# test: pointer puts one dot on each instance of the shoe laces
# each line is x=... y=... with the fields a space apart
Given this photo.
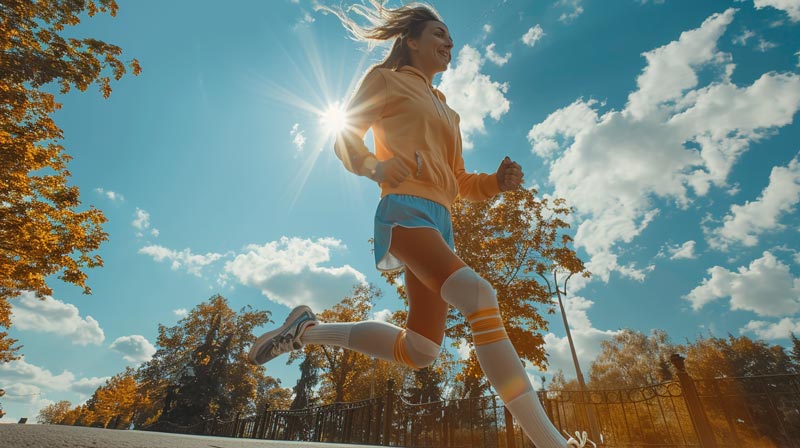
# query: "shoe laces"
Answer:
x=578 y=440
x=282 y=345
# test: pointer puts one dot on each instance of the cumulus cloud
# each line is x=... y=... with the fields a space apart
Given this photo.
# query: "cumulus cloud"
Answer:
x=298 y=137
x=383 y=315
x=134 y=348
x=791 y=7
x=745 y=223
x=587 y=339
x=495 y=57
x=293 y=271
x=114 y=196
x=141 y=222
x=54 y=316
x=574 y=9
x=473 y=94
x=191 y=262
x=21 y=372
x=671 y=138
x=463 y=349
x=87 y=386
x=180 y=312
x=773 y=330
x=683 y=251
x=765 y=287
x=533 y=35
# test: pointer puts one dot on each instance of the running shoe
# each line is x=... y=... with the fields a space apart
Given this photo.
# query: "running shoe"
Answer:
x=284 y=338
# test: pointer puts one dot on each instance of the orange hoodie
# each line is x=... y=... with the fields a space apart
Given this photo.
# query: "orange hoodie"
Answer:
x=411 y=121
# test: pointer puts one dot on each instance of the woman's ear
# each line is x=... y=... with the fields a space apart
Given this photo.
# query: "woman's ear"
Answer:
x=412 y=44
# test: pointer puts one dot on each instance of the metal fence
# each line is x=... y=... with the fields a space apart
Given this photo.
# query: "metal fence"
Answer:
x=724 y=412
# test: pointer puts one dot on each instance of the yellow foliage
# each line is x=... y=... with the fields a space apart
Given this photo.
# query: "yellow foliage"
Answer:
x=43 y=231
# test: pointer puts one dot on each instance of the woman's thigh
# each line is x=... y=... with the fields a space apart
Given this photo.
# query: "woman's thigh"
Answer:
x=429 y=262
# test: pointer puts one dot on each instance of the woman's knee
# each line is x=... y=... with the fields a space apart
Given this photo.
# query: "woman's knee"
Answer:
x=414 y=350
x=468 y=292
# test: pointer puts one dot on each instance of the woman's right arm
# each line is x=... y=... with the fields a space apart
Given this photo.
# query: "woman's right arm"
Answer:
x=364 y=109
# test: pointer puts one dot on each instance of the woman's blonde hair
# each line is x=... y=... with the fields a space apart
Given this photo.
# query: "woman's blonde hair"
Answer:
x=400 y=24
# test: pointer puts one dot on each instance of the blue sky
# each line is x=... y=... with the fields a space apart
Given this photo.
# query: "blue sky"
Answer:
x=671 y=127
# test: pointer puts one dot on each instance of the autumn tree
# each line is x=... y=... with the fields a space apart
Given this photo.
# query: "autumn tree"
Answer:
x=213 y=340
x=346 y=375
x=712 y=357
x=114 y=404
x=511 y=242
x=54 y=413
x=43 y=231
x=632 y=359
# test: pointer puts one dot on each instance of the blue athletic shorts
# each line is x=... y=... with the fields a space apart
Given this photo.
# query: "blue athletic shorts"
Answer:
x=406 y=211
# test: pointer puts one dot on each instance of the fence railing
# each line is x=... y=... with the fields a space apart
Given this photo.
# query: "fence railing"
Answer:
x=724 y=412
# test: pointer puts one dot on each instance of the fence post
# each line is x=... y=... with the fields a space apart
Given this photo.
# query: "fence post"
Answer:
x=510 y=442
x=699 y=420
x=387 y=412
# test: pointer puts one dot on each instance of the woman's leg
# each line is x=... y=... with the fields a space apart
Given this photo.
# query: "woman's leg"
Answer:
x=431 y=261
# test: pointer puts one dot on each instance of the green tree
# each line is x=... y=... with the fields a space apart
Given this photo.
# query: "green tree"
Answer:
x=795 y=353
x=42 y=230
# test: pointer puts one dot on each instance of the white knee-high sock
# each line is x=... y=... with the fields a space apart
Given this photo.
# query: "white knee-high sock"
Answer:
x=375 y=338
x=474 y=297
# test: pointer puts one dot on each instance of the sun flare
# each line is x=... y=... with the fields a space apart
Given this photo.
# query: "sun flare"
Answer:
x=333 y=119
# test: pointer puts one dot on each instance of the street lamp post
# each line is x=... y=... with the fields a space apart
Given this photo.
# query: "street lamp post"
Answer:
x=594 y=429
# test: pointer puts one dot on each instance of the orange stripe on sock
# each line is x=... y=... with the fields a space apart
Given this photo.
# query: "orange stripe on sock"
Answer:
x=400 y=352
x=484 y=313
x=487 y=324
x=488 y=338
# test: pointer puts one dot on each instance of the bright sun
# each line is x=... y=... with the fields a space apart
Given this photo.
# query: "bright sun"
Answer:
x=333 y=119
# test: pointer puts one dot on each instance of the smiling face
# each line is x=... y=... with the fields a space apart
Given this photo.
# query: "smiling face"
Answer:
x=430 y=52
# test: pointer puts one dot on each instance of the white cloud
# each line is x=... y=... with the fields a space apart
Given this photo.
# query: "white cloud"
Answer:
x=496 y=58
x=191 y=262
x=791 y=7
x=114 y=196
x=142 y=220
x=473 y=94
x=798 y=58
x=744 y=37
x=671 y=137
x=87 y=386
x=487 y=28
x=291 y=272
x=768 y=330
x=764 y=46
x=383 y=315
x=298 y=139
x=142 y=223
x=655 y=2
x=463 y=349
x=745 y=223
x=766 y=287
x=575 y=10
x=54 y=316
x=684 y=251
x=586 y=338
x=20 y=372
x=533 y=35
x=134 y=348
x=180 y=312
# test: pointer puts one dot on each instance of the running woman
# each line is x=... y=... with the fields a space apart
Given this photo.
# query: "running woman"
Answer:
x=420 y=170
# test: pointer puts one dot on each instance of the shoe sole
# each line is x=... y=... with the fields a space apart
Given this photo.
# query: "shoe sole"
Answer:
x=258 y=346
